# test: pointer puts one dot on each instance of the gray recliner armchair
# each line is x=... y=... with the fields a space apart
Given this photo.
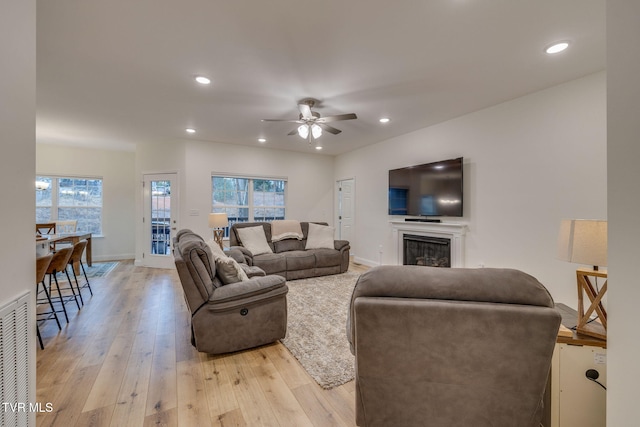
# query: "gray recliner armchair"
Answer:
x=450 y=347
x=231 y=317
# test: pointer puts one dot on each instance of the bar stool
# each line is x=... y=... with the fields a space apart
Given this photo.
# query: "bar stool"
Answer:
x=42 y=263
x=76 y=259
x=59 y=264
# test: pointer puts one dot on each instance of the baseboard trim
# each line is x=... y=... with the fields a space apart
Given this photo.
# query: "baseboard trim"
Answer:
x=364 y=261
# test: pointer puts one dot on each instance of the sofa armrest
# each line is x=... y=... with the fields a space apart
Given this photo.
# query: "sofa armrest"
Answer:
x=246 y=253
x=236 y=254
x=254 y=289
x=252 y=271
x=341 y=244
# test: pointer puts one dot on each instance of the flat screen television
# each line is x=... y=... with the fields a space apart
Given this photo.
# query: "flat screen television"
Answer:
x=431 y=189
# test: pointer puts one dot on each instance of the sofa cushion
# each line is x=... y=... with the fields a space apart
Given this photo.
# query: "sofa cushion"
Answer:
x=255 y=240
x=300 y=260
x=271 y=263
x=327 y=257
x=320 y=236
x=288 y=245
x=282 y=229
x=229 y=271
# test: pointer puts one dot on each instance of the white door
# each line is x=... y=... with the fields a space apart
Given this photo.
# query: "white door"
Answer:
x=160 y=219
x=346 y=200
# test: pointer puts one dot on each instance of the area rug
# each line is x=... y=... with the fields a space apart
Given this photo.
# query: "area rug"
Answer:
x=316 y=330
x=98 y=269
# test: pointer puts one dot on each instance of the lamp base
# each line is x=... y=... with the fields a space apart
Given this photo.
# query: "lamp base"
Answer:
x=218 y=234
x=585 y=325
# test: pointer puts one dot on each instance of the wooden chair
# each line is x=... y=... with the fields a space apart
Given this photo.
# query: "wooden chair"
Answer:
x=42 y=264
x=67 y=226
x=46 y=228
x=59 y=264
x=76 y=257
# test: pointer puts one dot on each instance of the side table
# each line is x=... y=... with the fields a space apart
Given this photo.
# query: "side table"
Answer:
x=572 y=399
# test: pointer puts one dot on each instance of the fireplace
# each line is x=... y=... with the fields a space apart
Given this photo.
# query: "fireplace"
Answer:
x=426 y=250
x=453 y=233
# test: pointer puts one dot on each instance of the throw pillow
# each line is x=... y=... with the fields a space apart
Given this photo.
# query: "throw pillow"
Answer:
x=229 y=271
x=320 y=237
x=282 y=229
x=215 y=249
x=254 y=239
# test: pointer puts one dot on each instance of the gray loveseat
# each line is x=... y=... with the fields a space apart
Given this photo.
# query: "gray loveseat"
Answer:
x=290 y=259
x=226 y=318
x=450 y=347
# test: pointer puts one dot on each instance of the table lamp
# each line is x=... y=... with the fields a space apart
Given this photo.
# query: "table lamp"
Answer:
x=218 y=222
x=585 y=242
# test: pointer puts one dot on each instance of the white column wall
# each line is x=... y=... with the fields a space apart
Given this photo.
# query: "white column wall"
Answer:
x=17 y=157
x=623 y=115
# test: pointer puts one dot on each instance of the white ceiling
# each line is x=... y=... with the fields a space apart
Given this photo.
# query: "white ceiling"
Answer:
x=113 y=73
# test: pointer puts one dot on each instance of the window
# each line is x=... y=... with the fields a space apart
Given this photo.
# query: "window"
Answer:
x=248 y=199
x=71 y=198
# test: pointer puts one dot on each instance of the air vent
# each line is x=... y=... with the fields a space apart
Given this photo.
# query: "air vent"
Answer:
x=16 y=345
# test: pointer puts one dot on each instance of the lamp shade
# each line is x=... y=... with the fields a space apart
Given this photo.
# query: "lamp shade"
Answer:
x=583 y=241
x=218 y=220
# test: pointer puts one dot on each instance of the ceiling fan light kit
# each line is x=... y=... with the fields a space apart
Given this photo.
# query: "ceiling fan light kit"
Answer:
x=311 y=123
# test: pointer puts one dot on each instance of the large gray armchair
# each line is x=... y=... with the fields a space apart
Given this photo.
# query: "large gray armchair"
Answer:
x=231 y=317
x=450 y=347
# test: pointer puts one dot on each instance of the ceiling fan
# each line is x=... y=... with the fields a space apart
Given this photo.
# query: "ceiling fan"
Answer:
x=311 y=123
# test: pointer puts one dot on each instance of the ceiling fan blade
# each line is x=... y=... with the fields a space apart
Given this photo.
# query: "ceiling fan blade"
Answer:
x=305 y=111
x=282 y=120
x=293 y=132
x=336 y=118
x=329 y=128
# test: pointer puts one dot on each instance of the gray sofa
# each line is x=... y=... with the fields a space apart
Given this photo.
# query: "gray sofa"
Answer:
x=289 y=258
x=232 y=317
x=450 y=347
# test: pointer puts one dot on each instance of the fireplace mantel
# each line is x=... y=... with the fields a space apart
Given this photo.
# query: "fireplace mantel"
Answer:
x=447 y=230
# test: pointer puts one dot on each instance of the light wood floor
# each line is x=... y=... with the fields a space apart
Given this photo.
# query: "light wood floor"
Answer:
x=125 y=359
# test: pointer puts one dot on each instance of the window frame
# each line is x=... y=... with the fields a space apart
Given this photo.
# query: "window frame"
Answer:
x=55 y=205
x=250 y=206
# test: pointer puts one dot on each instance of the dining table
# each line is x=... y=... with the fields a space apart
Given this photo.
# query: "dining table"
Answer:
x=44 y=243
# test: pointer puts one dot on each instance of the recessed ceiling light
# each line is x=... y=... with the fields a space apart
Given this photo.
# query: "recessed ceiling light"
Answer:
x=385 y=120
x=190 y=130
x=262 y=140
x=557 y=47
x=203 y=80
x=318 y=148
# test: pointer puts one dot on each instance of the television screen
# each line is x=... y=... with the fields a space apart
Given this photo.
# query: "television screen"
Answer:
x=432 y=189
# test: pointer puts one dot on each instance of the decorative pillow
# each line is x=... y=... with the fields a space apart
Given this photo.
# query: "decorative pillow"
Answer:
x=320 y=237
x=254 y=239
x=282 y=229
x=215 y=249
x=229 y=271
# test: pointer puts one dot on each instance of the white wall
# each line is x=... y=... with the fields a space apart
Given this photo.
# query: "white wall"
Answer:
x=17 y=154
x=623 y=92
x=117 y=169
x=309 y=188
x=528 y=163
